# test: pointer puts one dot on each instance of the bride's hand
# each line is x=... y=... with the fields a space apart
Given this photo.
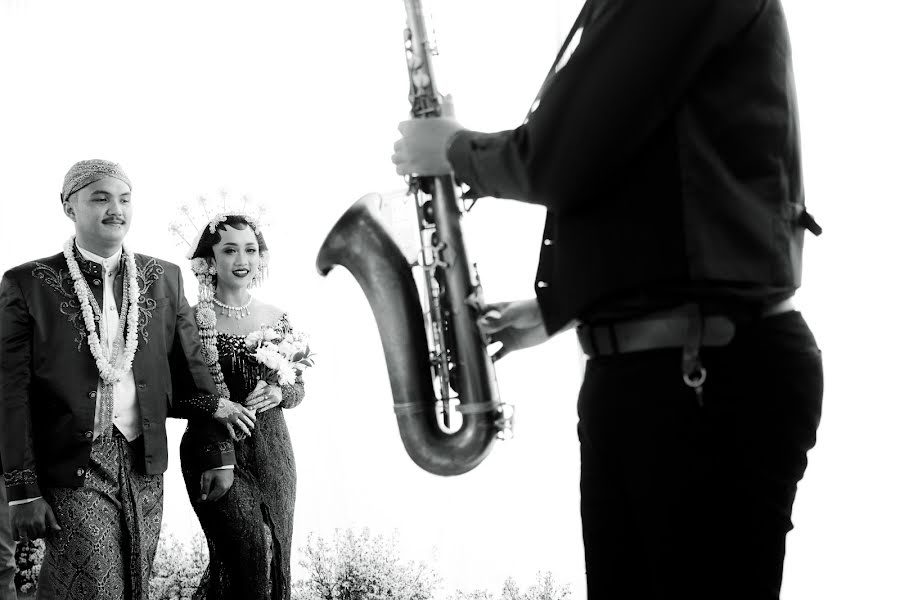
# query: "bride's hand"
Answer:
x=232 y=415
x=263 y=398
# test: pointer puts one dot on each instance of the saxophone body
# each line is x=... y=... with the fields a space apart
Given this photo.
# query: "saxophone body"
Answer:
x=442 y=377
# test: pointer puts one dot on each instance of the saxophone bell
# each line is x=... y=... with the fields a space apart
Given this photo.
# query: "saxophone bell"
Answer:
x=442 y=379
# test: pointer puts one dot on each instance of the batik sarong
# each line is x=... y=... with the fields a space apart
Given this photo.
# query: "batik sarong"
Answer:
x=110 y=528
x=7 y=550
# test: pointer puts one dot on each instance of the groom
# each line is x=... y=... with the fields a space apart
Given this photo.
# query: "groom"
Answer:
x=97 y=347
x=7 y=549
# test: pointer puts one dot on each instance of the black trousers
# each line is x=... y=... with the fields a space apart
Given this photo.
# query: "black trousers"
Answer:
x=680 y=500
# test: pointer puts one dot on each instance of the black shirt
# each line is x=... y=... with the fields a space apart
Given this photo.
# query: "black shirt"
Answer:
x=667 y=154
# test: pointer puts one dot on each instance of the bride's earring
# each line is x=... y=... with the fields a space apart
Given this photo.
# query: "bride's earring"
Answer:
x=261 y=273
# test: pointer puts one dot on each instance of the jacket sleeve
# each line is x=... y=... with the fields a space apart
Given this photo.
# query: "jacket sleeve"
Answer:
x=17 y=454
x=194 y=395
x=292 y=395
x=635 y=61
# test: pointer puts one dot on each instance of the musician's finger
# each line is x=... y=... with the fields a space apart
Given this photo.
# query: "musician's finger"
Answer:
x=495 y=308
x=503 y=351
x=447 y=108
x=491 y=322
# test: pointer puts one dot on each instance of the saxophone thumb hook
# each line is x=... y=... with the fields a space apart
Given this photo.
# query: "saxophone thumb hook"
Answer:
x=447 y=107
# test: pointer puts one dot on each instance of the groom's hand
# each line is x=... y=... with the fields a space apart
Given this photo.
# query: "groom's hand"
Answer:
x=214 y=483
x=32 y=520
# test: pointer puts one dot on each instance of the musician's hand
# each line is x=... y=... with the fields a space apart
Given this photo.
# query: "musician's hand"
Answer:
x=32 y=520
x=423 y=148
x=516 y=325
x=234 y=416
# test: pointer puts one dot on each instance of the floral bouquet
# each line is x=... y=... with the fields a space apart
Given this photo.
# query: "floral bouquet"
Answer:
x=281 y=357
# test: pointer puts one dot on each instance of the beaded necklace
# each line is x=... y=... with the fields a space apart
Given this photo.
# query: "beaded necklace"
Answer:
x=237 y=312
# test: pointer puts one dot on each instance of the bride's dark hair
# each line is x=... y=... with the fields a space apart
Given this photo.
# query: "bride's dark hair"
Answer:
x=208 y=240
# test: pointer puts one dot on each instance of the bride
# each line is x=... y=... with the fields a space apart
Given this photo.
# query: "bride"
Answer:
x=249 y=530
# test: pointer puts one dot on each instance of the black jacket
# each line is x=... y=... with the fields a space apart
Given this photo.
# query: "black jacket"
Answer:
x=667 y=154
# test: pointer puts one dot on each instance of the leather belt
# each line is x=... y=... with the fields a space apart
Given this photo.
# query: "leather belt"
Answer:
x=669 y=329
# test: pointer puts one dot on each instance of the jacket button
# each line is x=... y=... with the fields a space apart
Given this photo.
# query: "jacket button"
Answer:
x=543 y=284
x=79 y=472
x=92 y=394
x=88 y=435
x=96 y=282
x=142 y=386
x=548 y=242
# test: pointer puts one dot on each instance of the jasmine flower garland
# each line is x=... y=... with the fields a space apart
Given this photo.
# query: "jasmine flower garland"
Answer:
x=206 y=323
x=106 y=363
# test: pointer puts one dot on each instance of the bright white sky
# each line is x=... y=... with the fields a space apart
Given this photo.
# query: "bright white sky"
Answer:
x=297 y=105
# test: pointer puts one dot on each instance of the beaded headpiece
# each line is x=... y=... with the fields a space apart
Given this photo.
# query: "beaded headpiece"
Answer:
x=204 y=214
x=85 y=172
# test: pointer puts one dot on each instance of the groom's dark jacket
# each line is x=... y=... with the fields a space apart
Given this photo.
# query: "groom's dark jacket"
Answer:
x=49 y=378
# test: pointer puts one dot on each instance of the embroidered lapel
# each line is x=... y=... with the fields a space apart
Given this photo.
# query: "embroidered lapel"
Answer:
x=60 y=282
x=148 y=272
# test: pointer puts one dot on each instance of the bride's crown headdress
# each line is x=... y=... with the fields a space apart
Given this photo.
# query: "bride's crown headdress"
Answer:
x=193 y=218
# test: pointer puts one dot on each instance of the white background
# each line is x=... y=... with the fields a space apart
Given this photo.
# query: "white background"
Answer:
x=296 y=103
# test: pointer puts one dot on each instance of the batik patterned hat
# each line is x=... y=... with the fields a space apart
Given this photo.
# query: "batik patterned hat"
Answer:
x=85 y=172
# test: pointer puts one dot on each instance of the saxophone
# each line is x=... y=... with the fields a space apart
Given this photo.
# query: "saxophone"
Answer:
x=442 y=377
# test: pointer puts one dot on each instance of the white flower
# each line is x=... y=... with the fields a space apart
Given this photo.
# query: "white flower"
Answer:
x=252 y=340
x=206 y=317
x=286 y=348
x=301 y=341
x=286 y=374
x=270 y=334
x=212 y=355
x=199 y=265
x=267 y=354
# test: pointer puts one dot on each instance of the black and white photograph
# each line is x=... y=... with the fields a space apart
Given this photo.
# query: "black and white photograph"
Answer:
x=449 y=300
